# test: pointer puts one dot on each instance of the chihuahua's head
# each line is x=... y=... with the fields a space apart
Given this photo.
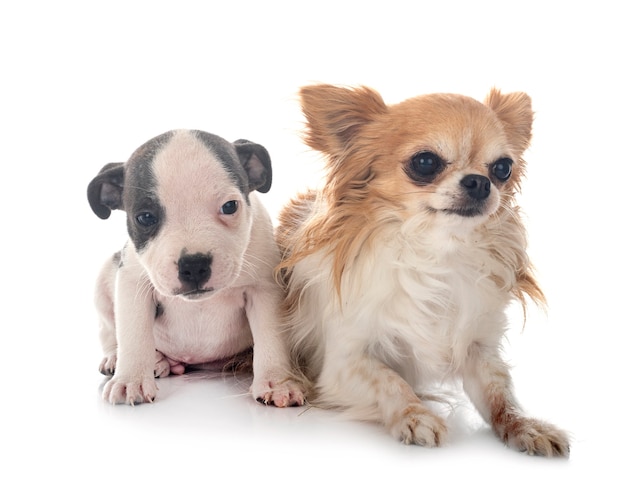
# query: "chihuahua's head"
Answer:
x=443 y=158
x=439 y=169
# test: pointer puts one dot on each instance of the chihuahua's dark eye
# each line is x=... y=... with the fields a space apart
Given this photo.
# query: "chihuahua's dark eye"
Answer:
x=502 y=169
x=424 y=165
x=146 y=219
x=230 y=207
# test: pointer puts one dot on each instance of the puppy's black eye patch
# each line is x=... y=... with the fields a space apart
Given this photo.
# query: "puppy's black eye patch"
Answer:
x=146 y=219
x=424 y=166
x=502 y=169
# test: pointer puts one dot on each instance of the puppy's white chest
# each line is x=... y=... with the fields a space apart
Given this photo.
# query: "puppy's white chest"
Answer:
x=205 y=331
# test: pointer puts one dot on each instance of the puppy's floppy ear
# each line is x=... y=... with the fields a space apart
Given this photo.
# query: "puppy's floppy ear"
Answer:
x=335 y=114
x=257 y=164
x=105 y=190
x=515 y=112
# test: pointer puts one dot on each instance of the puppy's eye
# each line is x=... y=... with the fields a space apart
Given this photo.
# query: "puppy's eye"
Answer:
x=146 y=219
x=230 y=207
x=426 y=164
x=502 y=169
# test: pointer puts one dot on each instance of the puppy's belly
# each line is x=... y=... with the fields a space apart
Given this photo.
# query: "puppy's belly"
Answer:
x=201 y=332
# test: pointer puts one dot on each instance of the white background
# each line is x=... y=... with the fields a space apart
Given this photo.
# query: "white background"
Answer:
x=83 y=84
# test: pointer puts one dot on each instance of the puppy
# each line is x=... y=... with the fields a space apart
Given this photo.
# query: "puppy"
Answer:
x=399 y=270
x=194 y=284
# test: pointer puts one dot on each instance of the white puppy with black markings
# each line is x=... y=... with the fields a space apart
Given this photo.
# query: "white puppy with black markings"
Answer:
x=193 y=286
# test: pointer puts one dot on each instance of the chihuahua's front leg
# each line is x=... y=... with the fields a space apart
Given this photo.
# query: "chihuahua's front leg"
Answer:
x=369 y=389
x=133 y=381
x=487 y=382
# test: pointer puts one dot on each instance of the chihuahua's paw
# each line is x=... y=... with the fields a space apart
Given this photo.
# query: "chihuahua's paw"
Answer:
x=418 y=425
x=107 y=365
x=130 y=390
x=535 y=437
x=280 y=392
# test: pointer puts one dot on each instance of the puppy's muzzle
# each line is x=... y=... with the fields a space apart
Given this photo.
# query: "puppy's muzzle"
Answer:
x=477 y=187
x=194 y=271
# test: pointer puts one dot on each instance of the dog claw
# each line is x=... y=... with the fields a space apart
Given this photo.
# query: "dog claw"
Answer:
x=279 y=393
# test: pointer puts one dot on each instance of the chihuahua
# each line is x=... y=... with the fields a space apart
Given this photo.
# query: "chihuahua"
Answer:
x=399 y=270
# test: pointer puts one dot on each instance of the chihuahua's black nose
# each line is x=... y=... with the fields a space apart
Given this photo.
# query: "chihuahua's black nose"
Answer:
x=477 y=186
x=194 y=269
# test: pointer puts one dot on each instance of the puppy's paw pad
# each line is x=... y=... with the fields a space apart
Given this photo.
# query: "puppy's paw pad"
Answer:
x=417 y=425
x=131 y=392
x=280 y=393
x=536 y=438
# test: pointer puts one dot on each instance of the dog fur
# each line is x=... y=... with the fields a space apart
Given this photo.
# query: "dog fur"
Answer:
x=194 y=285
x=398 y=271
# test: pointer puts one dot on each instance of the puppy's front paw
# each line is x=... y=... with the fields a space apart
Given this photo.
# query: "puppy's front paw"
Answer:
x=130 y=390
x=280 y=392
x=535 y=437
x=418 y=425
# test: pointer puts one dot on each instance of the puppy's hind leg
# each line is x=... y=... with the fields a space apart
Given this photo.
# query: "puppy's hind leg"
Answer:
x=105 y=288
x=487 y=382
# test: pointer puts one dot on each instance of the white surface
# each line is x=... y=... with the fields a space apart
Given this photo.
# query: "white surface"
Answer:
x=83 y=85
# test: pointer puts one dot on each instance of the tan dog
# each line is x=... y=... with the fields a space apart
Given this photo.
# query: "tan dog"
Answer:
x=400 y=269
x=194 y=285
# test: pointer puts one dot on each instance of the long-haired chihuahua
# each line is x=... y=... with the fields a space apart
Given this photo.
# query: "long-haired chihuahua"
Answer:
x=399 y=269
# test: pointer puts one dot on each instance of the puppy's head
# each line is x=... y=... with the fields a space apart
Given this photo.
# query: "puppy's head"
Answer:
x=186 y=195
x=448 y=159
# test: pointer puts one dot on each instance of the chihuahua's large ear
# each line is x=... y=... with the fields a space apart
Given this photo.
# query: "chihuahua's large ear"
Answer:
x=257 y=164
x=515 y=112
x=336 y=114
x=105 y=190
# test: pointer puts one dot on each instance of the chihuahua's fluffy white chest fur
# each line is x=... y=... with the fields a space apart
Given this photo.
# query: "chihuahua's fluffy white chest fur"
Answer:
x=414 y=298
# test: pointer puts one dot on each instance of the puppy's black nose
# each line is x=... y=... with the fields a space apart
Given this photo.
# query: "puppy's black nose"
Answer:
x=194 y=269
x=477 y=186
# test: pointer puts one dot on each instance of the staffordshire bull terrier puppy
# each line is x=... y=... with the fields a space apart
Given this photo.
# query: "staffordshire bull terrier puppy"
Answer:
x=193 y=286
